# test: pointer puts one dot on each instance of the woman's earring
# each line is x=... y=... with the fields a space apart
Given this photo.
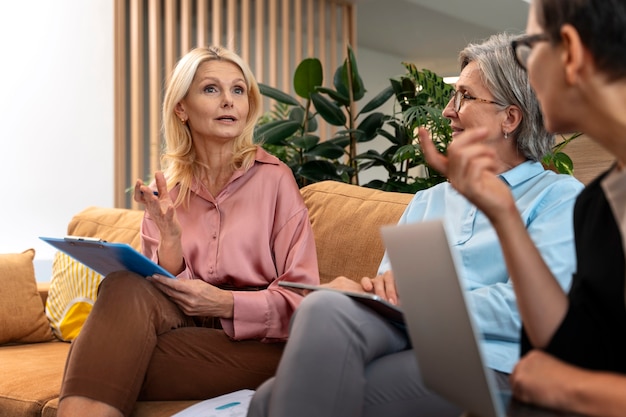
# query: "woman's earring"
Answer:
x=506 y=135
x=183 y=121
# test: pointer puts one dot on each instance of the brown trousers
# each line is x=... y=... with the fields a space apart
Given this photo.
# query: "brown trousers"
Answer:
x=137 y=344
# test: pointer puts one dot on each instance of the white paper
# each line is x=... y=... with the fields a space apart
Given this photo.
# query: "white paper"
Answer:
x=234 y=404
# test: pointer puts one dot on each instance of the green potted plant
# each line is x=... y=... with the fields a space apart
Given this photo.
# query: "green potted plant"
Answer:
x=420 y=97
x=289 y=131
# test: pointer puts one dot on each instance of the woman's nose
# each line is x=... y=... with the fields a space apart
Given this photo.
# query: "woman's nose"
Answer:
x=448 y=111
x=227 y=100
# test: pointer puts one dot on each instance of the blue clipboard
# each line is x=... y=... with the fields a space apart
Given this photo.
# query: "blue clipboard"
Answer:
x=106 y=257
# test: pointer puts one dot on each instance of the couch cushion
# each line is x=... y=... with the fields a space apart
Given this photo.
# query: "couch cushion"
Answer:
x=142 y=408
x=346 y=220
x=73 y=290
x=31 y=376
x=22 y=319
x=110 y=224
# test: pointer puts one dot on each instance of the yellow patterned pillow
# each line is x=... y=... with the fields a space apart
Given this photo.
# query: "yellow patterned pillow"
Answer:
x=73 y=290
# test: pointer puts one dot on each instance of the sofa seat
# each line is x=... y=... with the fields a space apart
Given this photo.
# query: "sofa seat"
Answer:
x=31 y=377
x=142 y=409
x=345 y=220
x=31 y=382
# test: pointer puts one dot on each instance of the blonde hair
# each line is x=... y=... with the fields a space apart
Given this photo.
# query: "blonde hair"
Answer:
x=179 y=156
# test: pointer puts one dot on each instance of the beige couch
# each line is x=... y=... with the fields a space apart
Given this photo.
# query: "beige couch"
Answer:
x=345 y=219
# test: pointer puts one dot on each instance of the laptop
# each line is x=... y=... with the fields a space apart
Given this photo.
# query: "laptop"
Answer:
x=444 y=337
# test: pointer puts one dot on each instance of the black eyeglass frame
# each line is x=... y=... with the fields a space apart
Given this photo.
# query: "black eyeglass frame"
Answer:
x=457 y=98
x=522 y=47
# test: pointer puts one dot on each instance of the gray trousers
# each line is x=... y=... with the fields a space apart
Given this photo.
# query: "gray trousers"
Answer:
x=344 y=360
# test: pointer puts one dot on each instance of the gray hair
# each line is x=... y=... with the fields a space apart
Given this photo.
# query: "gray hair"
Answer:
x=508 y=83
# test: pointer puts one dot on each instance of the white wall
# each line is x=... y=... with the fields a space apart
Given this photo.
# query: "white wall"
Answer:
x=56 y=113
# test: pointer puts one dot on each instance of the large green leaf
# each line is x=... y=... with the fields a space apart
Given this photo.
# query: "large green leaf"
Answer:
x=396 y=84
x=405 y=153
x=309 y=75
x=319 y=171
x=297 y=115
x=305 y=142
x=329 y=111
x=277 y=95
x=369 y=126
x=358 y=88
x=275 y=133
x=340 y=81
x=392 y=138
x=376 y=159
x=312 y=125
x=380 y=99
x=335 y=95
x=342 y=140
x=326 y=150
x=562 y=163
x=401 y=135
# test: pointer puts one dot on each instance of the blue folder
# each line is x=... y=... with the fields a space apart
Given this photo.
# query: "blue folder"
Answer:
x=106 y=257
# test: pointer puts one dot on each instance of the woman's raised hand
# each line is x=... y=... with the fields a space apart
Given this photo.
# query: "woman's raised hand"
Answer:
x=471 y=167
x=159 y=205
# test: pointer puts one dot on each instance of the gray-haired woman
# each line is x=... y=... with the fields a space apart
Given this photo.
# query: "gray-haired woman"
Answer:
x=342 y=359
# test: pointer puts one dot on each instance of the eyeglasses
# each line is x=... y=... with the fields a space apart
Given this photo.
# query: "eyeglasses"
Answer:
x=523 y=46
x=457 y=98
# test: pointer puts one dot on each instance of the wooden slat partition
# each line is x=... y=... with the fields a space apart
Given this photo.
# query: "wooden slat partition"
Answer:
x=155 y=76
x=120 y=175
x=202 y=20
x=273 y=36
x=138 y=109
x=246 y=21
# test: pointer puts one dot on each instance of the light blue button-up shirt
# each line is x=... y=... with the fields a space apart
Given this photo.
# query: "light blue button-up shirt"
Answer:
x=545 y=201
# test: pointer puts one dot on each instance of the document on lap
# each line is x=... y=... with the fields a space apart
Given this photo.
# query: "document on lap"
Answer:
x=373 y=301
x=234 y=404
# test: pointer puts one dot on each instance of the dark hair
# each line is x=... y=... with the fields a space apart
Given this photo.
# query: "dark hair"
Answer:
x=600 y=23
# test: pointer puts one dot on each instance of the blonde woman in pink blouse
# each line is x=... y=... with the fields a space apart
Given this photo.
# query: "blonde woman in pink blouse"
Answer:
x=227 y=219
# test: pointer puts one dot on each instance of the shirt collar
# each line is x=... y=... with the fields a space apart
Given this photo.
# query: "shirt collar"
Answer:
x=522 y=172
x=264 y=157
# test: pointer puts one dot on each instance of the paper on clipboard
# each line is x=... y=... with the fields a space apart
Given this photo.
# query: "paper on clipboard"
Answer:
x=106 y=257
x=234 y=404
